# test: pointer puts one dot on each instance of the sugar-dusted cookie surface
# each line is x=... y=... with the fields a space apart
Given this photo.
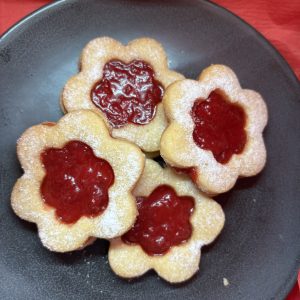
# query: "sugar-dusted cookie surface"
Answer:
x=241 y=119
x=100 y=68
x=86 y=132
x=180 y=262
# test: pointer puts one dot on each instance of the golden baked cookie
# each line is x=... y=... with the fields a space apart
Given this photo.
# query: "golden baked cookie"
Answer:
x=175 y=220
x=215 y=129
x=125 y=84
x=77 y=181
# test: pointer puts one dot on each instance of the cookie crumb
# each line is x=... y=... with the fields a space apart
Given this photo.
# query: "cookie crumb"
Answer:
x=225 y=281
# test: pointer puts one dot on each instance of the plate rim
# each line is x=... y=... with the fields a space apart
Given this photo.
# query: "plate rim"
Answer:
x=22 y=21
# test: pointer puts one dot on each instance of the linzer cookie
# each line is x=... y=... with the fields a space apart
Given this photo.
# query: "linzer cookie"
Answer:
x=77 y=181
x=125 y=84
x=215 y=129
x=175 y=220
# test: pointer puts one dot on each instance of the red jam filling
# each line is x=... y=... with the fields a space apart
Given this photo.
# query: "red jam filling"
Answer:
x=219 y=126
x=49 y=124
x=76 y=182
x=191 y=172
x=163 y=221
x=127 y=93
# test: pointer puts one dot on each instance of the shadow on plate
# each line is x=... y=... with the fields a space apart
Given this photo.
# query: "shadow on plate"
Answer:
x=242 y=184
x=98 y=248
x=151 y=275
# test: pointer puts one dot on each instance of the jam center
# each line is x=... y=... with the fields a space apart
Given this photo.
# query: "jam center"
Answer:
x=76 y=182
x=127 y=93
x=163 y=221
x=219 y=126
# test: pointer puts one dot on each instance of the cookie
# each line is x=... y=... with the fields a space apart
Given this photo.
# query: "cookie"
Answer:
x=215 y=129
x=175 y=220
x=77 y=181
x=125 y=84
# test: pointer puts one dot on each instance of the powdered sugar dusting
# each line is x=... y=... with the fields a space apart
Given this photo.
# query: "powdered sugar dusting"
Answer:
x=111 y=223
x=146 y=136
x=225 y=281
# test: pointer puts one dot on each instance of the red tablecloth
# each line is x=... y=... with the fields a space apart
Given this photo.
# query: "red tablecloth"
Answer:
x=277 y=20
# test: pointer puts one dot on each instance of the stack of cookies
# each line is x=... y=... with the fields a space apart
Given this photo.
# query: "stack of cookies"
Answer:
x=91 y=175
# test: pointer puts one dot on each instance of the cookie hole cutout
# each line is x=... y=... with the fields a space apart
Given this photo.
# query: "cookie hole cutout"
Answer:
x=127 y=93
x=163 y=221
x=219 y=126
x=76 y=182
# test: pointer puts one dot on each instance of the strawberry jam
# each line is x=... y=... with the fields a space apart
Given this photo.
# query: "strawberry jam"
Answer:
x=76 y=182
x=163 y=221
x=219 y=126
x=191 y=172
x=127 y=93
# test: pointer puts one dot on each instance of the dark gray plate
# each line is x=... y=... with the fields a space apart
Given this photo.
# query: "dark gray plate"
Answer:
x=258 y=251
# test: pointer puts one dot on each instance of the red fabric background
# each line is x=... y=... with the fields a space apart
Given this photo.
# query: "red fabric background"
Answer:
x=277 y=20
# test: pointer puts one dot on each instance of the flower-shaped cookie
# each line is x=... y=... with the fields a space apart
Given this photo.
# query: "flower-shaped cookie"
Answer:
x=77 y=181
x=215 y=129
x=175 y=220
x=124 y=84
